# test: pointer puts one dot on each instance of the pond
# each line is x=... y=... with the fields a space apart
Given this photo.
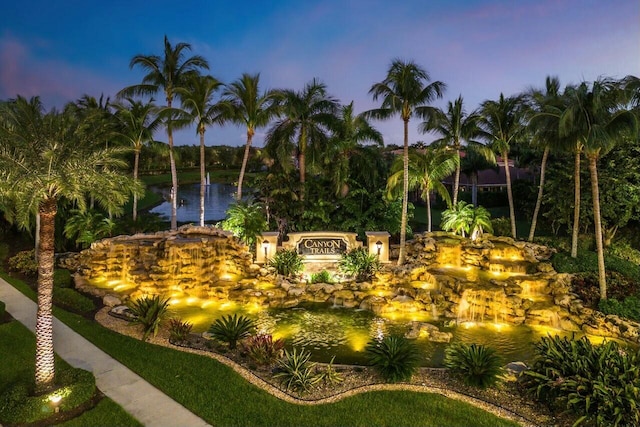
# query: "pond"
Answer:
x=217 y=198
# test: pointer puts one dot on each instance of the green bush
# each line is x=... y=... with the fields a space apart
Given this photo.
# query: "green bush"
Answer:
x=231 y=329
x=178 y=330
x=628 y=307
x=395 y=357
x=359 y=263
x=62 y=278
x=501 y=226
x=287 y=262
x=476 y=365
x=296 y=372
x=73 y=300
x=330 y=375
x=262 y=349
x=149 y=312
x=20 y=406
x=24 y=262
x=322 y=277
x=600 y=384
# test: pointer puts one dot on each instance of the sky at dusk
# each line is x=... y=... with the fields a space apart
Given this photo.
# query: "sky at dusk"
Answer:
x=63 y=50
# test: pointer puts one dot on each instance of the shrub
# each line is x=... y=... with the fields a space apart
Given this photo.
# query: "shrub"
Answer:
x=296 y=372
x=149 y=312
x=322 y=277
x=231 y=329
x=359 y=263
x=287 y=262
x=62 y=278
x=73 y=300
x=501 y=226
x=476 y=365
x=628 y=307
x=24 y=262
x=600 y=384
x=20 y=406
x=330 y=375
x=395 y=357
x=623 y=250
x=178 y=330
x=262 y=349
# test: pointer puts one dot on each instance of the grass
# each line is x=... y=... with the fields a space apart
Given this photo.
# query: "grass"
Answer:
x=17 y=347
x=225 y=399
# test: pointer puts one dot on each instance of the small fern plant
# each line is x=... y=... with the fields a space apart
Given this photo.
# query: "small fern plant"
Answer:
x=287 y=262
x=150 y=312
x=231 y=329
x=476 y=365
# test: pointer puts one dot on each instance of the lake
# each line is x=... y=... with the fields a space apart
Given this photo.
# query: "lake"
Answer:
x=217 y=198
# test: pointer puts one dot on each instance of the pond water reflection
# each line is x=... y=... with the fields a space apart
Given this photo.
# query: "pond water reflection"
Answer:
x=217 y=198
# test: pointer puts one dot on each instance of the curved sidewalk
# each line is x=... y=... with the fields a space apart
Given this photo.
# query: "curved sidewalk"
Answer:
x=139 y=398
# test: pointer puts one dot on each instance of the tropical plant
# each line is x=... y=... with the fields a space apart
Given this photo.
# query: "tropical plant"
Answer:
x=244 y=105
x=287 y=262
x=464 y=219
x=395 y=357
x=599 y=383
x=360 y=263
x=87 y=227
x=179 y=330
x=404 y=92
x=232 y=328
x=200 y=109
x=165 y=74
x=46 y=158
x=321 y=277
x=296 y=372
x=477 y=157
x=455 y=127
x=150 y=312
x=477 y=365
x=246 y=221
x=263 y=349
x=307 y=116
x=427 y=169
x=502 y=123
x=330 y=375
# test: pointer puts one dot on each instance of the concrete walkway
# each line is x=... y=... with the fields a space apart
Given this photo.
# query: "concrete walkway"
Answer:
x=139 y=398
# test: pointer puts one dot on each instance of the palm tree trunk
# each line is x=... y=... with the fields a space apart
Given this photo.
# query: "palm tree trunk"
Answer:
x=202 y=177
x=507 y=173
x=534 y=220
x=302 y=150
x=405 y=194
x=45 y=368
x=576 y=204
x=428 y=201
x=474 y=189
x=456 y=181
x=174 y=176
x=245 y=159
x=595 y=194
x=136 y=163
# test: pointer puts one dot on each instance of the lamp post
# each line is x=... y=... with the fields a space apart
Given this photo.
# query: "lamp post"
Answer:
x=265 y=247
x=379 y=247
x=55 y=402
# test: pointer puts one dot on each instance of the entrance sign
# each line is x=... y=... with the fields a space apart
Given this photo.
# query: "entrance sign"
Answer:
x=322 y=246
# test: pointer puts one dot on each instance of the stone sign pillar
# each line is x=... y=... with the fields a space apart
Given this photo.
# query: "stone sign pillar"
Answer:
x=378 y=244
x=266 y=246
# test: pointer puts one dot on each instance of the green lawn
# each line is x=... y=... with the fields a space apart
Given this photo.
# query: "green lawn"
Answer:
x=223 y=398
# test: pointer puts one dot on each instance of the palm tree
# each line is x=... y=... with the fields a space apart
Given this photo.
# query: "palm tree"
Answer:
x=245 y=105
x=46 y=158
x=458 y=218
x=546 y=108
x=455 y=128
x=167 y=73
x=405 y=92
x=596 y=120
x=246 y=220
x=502 y=124
x=198 y=104
x=137 y=123
x=350 y=131
x=427 y=169
x=307 y=118
x=477 y=157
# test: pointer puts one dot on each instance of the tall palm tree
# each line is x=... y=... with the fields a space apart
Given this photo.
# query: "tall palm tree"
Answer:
x=307 y=118
x=502 y=123
x=455 y=127
x=137 y=123
x=545 y=109
x=427 y=169
x=246 y=105
x=165 y=74
x=200 y=108
x=349 y=132
x=477 y=157
x=46 y=158
x=404 y=92
x=595 y=118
